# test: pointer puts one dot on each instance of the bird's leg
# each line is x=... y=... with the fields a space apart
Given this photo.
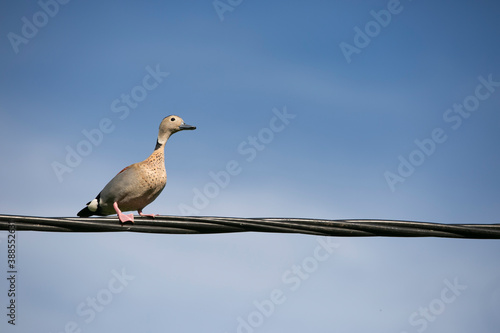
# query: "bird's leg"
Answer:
x=146 y=215
x=123 y=217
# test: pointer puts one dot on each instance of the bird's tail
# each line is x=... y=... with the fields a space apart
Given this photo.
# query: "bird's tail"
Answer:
x=86 y=212
x=92 y=208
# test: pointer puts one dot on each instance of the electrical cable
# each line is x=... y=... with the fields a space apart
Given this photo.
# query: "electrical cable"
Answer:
x=211 y=224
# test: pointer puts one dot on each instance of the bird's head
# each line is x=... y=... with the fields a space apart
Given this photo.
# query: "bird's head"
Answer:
x=170 y=125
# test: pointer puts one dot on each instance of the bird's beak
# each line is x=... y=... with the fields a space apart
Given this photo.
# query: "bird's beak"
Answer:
x=186 y=127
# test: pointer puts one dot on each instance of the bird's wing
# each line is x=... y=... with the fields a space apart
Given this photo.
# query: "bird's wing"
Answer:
x=121 y=185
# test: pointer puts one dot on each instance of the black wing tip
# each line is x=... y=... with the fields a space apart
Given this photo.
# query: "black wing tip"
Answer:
x=85 y=212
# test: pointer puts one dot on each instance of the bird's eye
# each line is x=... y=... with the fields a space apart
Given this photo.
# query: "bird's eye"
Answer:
x=172 y=119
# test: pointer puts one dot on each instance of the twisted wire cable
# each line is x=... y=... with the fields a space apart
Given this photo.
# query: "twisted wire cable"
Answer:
x=212 y=224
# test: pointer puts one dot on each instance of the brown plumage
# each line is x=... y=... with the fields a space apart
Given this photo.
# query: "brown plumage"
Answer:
x=139 y=184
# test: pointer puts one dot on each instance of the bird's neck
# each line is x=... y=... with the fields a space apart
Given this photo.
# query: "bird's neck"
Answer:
x=159 y=145
x=162 y=140
x=157 y=157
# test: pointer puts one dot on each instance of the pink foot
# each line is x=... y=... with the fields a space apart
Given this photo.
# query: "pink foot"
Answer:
x=126 y=217
x=123 y=217
x=146 y=215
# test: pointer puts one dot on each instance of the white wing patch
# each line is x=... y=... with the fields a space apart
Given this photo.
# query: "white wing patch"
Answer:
x=93 y=205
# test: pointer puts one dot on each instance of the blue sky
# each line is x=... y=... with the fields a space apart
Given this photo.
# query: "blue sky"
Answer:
x=405 y=127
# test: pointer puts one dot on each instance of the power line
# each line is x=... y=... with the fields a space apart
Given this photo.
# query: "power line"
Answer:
x=211 y=224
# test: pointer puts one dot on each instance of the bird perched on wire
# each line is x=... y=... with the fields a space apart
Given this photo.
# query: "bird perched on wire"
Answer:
x=139 y=184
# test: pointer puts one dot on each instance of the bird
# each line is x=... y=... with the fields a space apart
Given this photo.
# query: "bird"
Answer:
x=139 y=184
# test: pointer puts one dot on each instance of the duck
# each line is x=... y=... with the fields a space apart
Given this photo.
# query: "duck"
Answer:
x=139 y=184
